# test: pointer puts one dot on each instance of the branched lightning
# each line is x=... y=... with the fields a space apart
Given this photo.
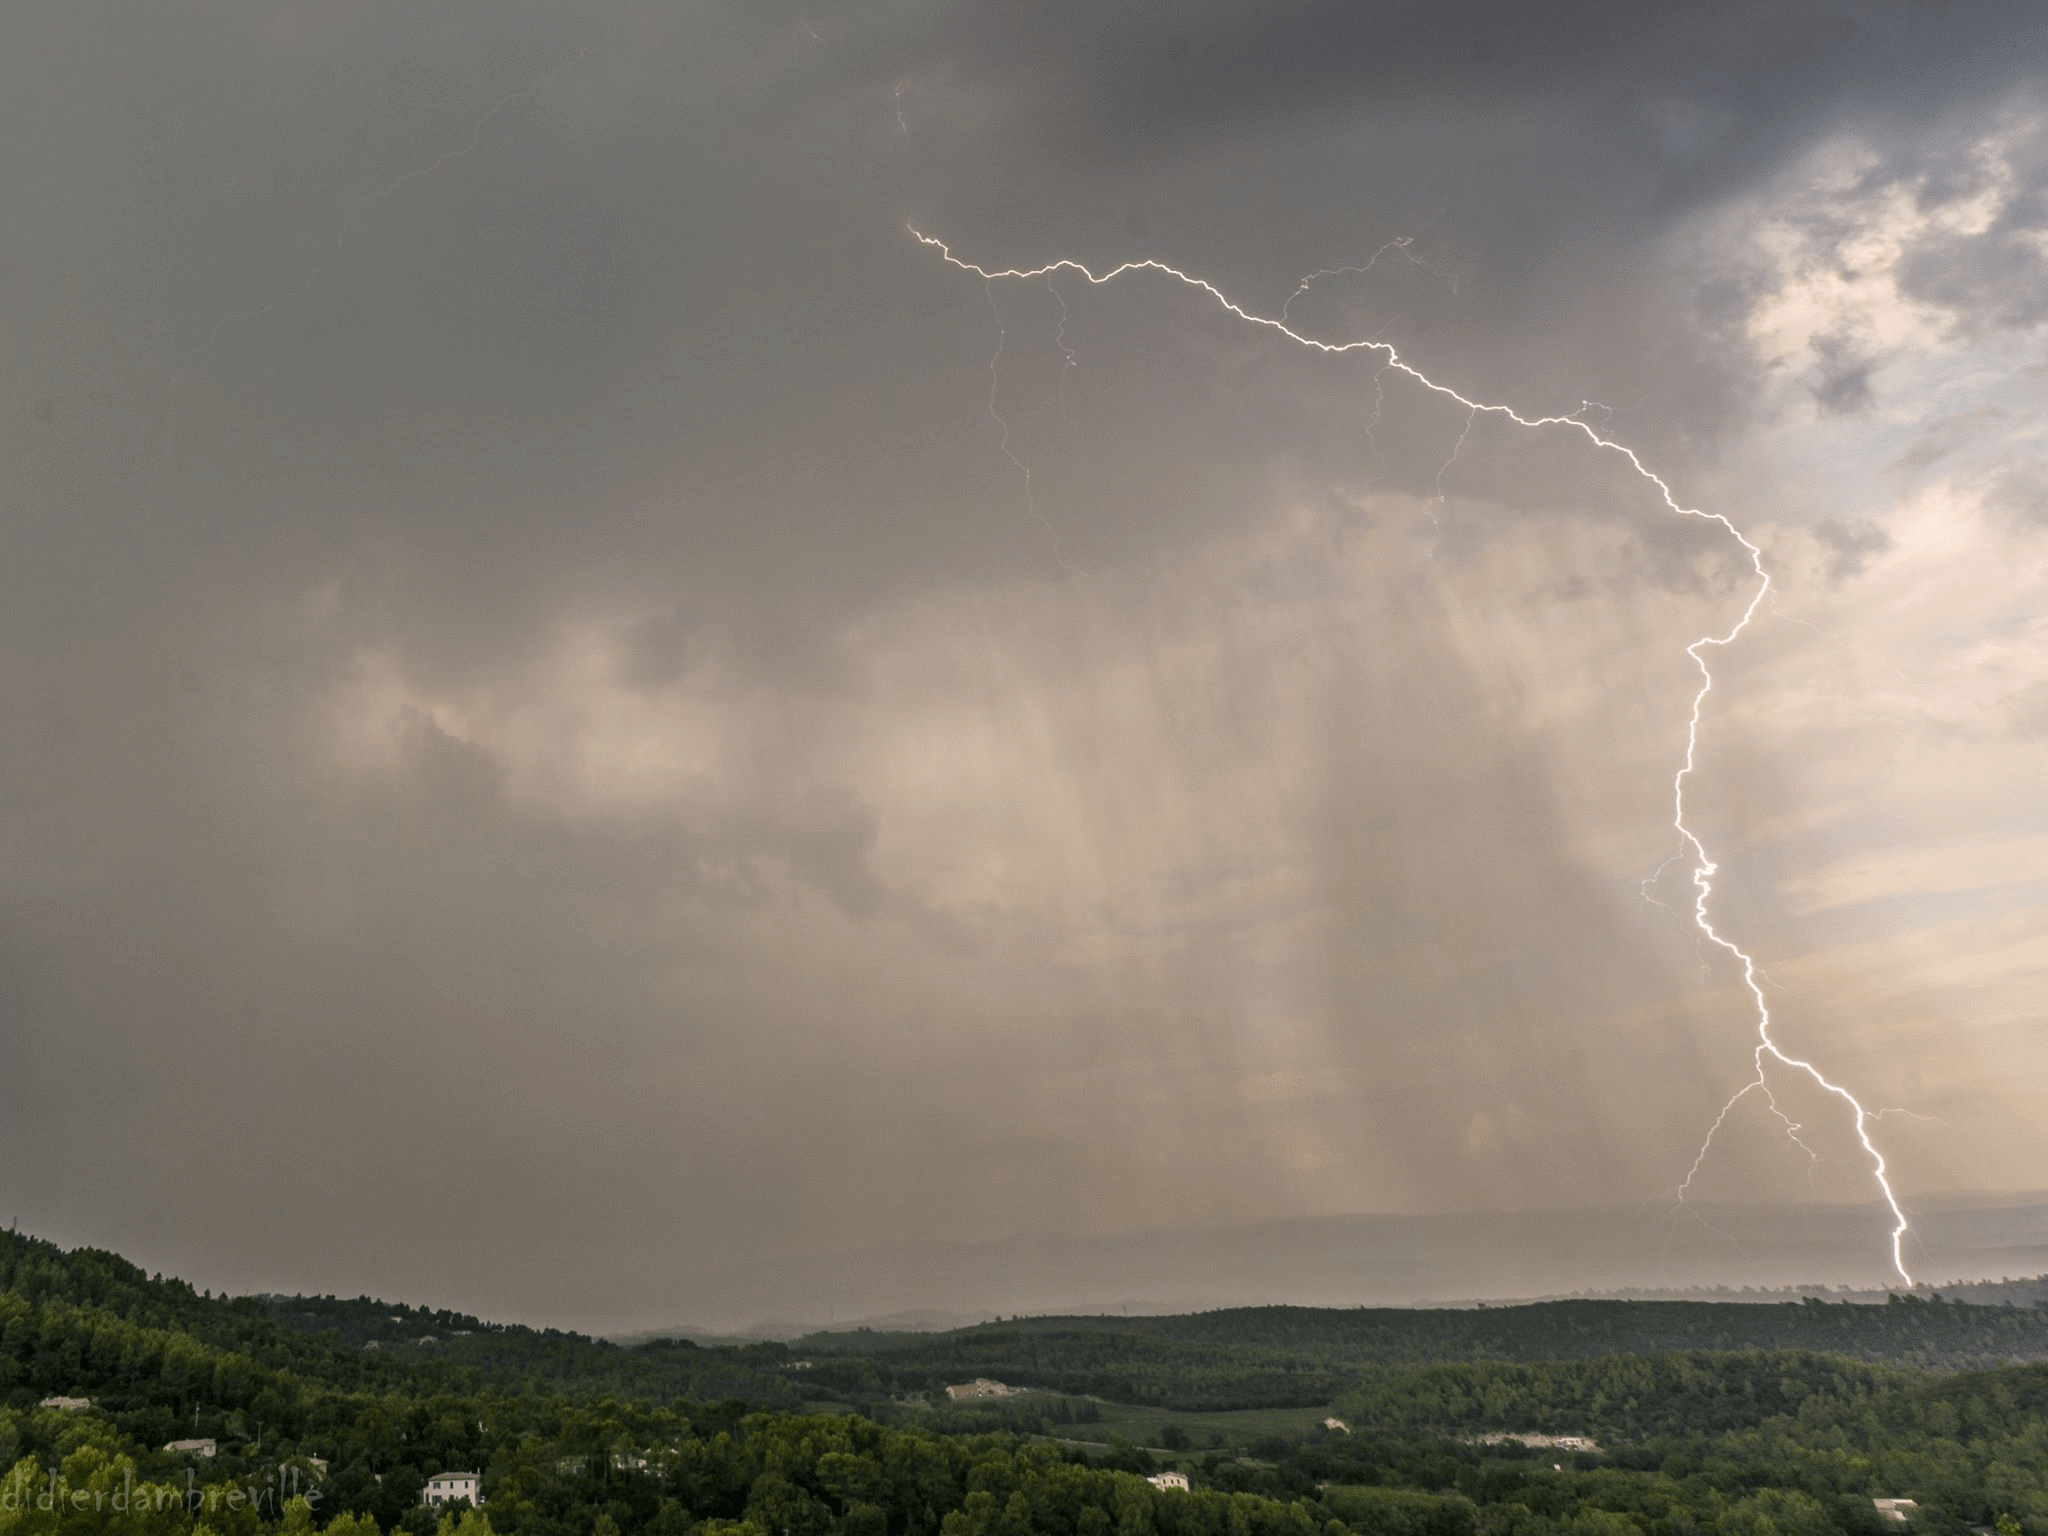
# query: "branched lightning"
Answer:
x=1910 y=1114
x=1404 y=245
x=1767 y=1051
x=1437 y=497
x=1003 y=427
x=1059 y=339
x=1379 y=405
x=1654 y=878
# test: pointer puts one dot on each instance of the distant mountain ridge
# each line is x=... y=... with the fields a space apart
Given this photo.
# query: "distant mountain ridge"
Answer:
x=1703 y=1251
x=1273 y=1357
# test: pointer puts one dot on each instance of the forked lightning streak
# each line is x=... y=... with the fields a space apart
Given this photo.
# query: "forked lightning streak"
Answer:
x=1704 y=868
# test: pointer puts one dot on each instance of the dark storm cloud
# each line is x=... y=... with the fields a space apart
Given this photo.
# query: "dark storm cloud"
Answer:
x=1543 y=150
x=509 y=569
x=599 y=311
x=1210 y=66
x=1993 y=277
x=1623 y=111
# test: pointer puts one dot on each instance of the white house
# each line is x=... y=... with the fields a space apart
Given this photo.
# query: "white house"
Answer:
x=68 y=1404
x=194 y=1447
x=444 y=1486
x=1178 y=1481
x=1337 y=1426
x=1900 y=1510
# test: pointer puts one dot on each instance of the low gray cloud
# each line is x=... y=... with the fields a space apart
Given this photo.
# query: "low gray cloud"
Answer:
x=1947 y=435
x=2018 y=491
x=1845 y=369
x=1851 y=546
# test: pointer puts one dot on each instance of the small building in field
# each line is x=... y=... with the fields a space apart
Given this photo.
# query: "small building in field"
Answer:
x=445 y=1487
x=1337 y=1426
x=67 y=1404
x=981 y=1386
x=1900 y=1510
x=1176 y=1481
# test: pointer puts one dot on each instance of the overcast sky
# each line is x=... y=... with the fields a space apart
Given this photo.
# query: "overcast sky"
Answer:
x=580 y=705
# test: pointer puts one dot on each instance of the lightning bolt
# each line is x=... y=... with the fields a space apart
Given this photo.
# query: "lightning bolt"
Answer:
x=1767 y=1051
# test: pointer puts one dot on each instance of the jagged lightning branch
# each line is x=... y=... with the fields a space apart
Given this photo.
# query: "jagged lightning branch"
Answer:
x=1002 y=423
x=1068 y=361
x=1404 y=244
x=1704 y=868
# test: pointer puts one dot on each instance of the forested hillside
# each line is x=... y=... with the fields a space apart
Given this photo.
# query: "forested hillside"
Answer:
x=310 y=1428
x=1299 y=1356
x=511 y=1355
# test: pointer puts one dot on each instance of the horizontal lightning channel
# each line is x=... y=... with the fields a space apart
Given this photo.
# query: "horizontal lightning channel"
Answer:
x=1704 y=868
